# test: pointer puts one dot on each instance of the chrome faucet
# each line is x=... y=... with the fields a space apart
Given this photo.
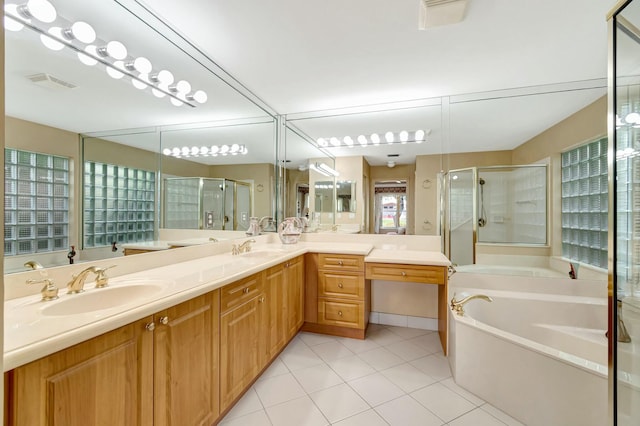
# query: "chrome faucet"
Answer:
x=242 y=248
x=457 y=305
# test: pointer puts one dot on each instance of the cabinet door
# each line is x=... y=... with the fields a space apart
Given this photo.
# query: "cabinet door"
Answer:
x=240 y=349
x=294 y=275
x=275 y=323
x=107 y=380
x=186 y=362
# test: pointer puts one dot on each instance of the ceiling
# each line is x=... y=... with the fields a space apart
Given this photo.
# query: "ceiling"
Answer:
x=510 y=70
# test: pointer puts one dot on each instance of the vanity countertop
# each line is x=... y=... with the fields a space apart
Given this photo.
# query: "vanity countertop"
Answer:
x=34 y=329
x=147 y=245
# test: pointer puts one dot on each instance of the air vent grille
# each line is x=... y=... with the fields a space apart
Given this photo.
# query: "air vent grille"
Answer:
x=435 y=13
x=49 y=81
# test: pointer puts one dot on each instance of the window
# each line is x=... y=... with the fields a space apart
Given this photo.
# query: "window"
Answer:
x=391 y=206
x=36 y=202
x=584 y=203
x=119 y=204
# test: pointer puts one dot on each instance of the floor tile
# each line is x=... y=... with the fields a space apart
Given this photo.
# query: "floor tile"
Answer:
x=366 y=418
x=298 y=357
x=407 y=377
x=312 y=339
x=407 y=350
x=279 y=389
x=339 y=402
x=330 y=351
x=451 y=384
x=276 y=368
x=357 y=345
x=258 y=418
x=297 y=412
x=501 y=415
x=477 y=417
x=317 y=378
x=384 y=337
x=351 y=367
x=430 y=342
x=381 y=358
x=442 y=401
x=376 y=389
x=406 y=332
x=249 y=403
x=406 y=411
x=433 y=365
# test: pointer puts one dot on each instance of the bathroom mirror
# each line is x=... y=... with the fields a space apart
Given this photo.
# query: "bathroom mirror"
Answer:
x=51 y=98
x=345 y=196
x=324 y=196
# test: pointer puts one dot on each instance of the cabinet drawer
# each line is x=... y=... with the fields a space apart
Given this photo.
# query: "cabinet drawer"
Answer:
x=237 y=293
x=341 y=313
x=341 y=284
x=408 y=273
x=343 y=262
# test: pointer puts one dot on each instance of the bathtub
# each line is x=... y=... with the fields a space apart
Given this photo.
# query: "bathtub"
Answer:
x=538 y=351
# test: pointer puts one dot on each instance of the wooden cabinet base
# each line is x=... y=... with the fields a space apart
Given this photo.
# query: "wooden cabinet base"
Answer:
x=354 y=333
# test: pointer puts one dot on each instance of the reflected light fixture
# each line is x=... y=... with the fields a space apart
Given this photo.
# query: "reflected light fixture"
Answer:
x=206 y=151
x=324 y=169
x=417 y=136
x=81 y=37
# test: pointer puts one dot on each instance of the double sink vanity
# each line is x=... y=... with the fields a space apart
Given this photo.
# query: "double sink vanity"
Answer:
x=177 y=337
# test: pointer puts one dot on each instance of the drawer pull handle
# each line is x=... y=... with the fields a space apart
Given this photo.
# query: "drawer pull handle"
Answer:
x=340 y=313
x=404 y=274
x=164 y=320
x=340 y=285
x=150 y=326
x=340 y=262
x=245 y=290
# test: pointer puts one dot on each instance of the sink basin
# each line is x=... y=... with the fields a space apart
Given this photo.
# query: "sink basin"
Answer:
x=101 y=298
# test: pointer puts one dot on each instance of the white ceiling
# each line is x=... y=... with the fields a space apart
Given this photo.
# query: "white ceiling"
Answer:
x=299 y=56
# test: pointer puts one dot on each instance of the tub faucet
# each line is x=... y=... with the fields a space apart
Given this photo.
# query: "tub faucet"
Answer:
x=457 y=305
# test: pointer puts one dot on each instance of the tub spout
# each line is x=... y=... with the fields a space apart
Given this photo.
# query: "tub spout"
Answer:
x=457 y=306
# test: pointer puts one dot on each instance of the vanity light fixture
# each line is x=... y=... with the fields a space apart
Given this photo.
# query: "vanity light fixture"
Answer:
x=324 y=169
x=81 y=38
x=403 y=137
x=206 y=151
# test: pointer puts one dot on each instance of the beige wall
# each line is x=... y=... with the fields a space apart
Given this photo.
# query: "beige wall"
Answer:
x=260 y=174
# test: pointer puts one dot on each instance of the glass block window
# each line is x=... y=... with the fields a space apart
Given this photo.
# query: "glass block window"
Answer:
x=119 y=204
x=36 y=202
x=585 y=203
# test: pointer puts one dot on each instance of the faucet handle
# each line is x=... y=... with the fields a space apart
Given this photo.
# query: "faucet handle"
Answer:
x=49 y=291
x=101 y=279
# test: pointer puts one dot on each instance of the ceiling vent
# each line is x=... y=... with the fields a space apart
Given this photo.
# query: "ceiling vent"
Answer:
x=434 y=13
x=49 y=81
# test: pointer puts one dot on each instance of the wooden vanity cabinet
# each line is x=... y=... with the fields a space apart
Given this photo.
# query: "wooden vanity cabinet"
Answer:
x=294 y=283
x=161 y=370
x=339 y=296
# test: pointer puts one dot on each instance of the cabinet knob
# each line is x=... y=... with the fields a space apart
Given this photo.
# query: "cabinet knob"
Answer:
x=150 y=326
x=340 y=313
x=164 y=320
x=404 y=274
x=245 y=290
x=286 y=265
x=340 y=262
x=261 y=300
x=340 y=285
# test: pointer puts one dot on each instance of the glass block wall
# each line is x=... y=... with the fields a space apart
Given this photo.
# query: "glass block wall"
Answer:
x=585 y=203
x=36 y=202
x=119 y=204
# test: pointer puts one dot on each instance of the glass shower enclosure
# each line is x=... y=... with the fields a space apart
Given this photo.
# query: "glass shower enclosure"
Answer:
x=206 y=203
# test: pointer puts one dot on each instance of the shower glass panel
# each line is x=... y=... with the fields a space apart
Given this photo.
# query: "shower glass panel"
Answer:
x=512 y=205
x=461 y=216
x=243 y=205
x=213 y=204
x=624 y=271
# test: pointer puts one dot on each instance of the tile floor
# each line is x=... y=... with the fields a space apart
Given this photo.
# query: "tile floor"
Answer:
x=396 y=376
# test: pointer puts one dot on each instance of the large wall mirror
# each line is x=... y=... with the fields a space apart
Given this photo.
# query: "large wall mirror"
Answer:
x=66 y=112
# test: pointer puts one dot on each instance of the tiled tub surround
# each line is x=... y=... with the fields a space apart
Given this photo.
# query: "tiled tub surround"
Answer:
x=539 y=352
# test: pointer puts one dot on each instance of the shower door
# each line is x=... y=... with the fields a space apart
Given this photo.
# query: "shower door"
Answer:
x=461 y=216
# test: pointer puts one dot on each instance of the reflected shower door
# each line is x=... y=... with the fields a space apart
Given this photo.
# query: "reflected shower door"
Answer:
x=461 y=216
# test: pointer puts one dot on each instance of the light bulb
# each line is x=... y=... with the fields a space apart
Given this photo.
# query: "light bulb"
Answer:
x=375 y=139
x=88 y=57
x=632 y=118
x=166 y=151
x=334 y=141
x=322 y=142
x=113 y=72
x=389 y=137
x=195 y=150
x=139 y=84
x=404 y=136
x=185 y=150
x=244 y=150
x=204 y=150
x=362 y=140
x=176 y=151
x=165 y=77
x=183 y=86
x=50 y=42
x=235 y=148
x=159 y=93
x=348 y=141
x=116 y=50
x=419 y=136
x=200 y=96
x=224 y=149
x=214 y=149
x=81 y=31
x=142 y=65
x=42 y=10
x=11 y=23
x=176 y=102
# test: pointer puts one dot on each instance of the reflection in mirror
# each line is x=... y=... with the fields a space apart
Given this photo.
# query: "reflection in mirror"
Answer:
x=324 y=197
x=345 y=196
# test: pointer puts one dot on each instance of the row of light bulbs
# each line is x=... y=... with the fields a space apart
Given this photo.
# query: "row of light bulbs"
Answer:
x=162 y=83
x=403 y=137
x=206 y=151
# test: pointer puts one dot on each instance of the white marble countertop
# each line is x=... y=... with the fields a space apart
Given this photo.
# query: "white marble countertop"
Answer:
x=34 y=329
x=147 y=245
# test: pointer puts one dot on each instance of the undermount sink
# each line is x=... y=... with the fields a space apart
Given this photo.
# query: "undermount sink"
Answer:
x=101 y=298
